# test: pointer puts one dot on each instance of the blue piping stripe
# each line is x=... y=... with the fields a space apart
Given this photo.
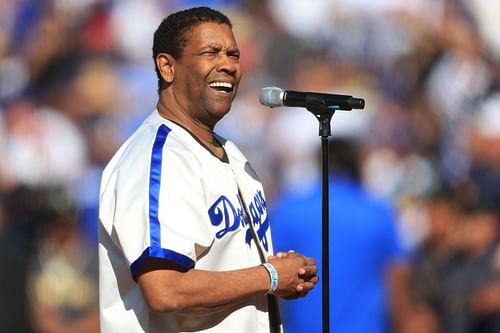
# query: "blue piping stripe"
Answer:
x=155 y=250
x=154 y=184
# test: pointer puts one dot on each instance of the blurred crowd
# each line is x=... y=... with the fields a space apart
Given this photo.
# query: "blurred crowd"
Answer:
x=77 y=77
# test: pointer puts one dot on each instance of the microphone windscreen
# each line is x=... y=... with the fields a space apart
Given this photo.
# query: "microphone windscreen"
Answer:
x=271 y=96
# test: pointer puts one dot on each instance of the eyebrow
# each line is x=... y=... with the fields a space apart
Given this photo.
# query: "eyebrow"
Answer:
x=216 y=46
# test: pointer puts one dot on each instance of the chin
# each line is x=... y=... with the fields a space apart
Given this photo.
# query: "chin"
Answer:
x=219 y=115
x=221 y=109
x=214 y=116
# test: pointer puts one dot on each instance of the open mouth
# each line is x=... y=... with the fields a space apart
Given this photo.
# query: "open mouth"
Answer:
x=225 y=87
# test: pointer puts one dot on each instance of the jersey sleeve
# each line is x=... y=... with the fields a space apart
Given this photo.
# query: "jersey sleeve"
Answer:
x=182 y=226
x=159 y=208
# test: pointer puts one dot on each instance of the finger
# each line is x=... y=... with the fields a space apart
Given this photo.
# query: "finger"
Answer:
x=302 y=293
x=310 y=261
x=305 y=287
x=282 y=255
x=308 y=271
x=278 y=255
x=314 y=279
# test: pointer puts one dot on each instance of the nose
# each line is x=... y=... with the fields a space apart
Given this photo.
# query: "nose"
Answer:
x=228 y=63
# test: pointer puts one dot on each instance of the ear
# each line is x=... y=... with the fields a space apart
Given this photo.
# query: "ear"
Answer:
x=165 y=64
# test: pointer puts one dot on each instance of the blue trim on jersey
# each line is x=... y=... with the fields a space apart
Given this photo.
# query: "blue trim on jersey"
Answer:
x=154 y=185
x=158 y=252
x=155 y=250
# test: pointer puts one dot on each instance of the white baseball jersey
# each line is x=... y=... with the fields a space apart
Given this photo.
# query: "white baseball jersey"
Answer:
x=165 y=195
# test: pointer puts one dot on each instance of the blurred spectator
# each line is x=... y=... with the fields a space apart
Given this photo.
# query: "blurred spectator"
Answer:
x=62 y=281
x=472 y=292
x=456 y=274
x=456 y=84
x=42 y=146
x=484 y=151
x=368 y=265
x=103 y=135
x=468 y=284
x=435 y=257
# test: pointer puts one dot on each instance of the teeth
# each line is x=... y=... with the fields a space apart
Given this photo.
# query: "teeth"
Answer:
x=221 y=84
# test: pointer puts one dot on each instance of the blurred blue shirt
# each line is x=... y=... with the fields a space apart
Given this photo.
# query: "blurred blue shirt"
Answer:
x=363 y=241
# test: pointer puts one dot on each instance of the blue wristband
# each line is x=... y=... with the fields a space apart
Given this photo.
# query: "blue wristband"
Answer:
x=273 y=274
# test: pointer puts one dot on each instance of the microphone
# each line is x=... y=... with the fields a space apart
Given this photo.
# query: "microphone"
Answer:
x=273 y=97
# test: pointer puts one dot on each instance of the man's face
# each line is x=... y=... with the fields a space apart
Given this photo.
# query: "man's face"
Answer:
x=208 y=72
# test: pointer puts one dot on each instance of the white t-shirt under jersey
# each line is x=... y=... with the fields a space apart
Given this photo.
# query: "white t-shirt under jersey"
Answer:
x=165 y=195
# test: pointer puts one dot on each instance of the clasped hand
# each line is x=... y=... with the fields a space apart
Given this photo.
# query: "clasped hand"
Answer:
x=296 y=274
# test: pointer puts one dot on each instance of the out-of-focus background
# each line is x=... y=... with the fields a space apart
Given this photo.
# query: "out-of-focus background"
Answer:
x=77 y=77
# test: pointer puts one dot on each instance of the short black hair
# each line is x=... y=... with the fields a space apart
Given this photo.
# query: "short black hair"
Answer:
x=170 y=37
x=345 y=157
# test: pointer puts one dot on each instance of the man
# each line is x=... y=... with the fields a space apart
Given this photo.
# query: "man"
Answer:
x=366 y=258
x=183 y=230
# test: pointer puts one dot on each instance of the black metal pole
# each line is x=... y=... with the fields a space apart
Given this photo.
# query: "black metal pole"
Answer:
x=325 y=230
x=317 y=106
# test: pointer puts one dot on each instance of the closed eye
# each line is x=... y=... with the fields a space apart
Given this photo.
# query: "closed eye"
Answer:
x=233 y=54
x=211 y=50
x=210 y=53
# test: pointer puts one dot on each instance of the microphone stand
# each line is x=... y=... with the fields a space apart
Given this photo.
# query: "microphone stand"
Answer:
x=317 y=106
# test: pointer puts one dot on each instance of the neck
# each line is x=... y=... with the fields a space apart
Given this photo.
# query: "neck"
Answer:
x=199 y=129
